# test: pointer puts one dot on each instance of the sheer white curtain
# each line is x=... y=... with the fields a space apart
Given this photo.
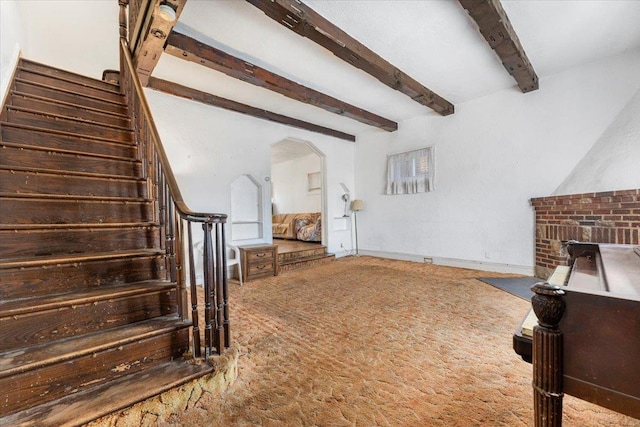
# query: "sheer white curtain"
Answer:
x=411 y=172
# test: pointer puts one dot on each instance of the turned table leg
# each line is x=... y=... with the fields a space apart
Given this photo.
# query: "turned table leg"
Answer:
x=547 y=355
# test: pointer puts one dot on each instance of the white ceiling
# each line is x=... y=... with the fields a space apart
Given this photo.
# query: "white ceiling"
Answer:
x=288 y=149
x=434 y=41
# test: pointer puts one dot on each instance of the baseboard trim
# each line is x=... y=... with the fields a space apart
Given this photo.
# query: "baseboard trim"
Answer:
x=393 y=255
x=525 y=270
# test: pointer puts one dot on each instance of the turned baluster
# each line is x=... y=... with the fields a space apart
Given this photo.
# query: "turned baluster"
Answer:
x=208 y=288
x=220 y=249
x=225 y=290
x=194 y=296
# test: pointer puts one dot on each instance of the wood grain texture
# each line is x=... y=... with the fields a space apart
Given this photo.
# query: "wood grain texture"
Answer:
x=89 y=370
x=228 y=104
x=36 y=67
x=72 y=211
x=69 y=85
x=259 y=261
x=47 y=242
x=42 y=182
x=495 y=27
x=19 y=157
x=60 y=122
x=48 y=319
x=72 y=276
x=46 y=105
x=63 y=142
x=82 y=258
x=71 y=96
x=188 y=48
x=153 y=37
x=301 y=19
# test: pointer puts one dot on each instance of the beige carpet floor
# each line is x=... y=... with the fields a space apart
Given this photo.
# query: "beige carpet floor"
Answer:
x=373 y=342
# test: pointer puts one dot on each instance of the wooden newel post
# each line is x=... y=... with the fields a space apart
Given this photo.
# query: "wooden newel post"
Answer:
x=122 y=21
x=547 y=355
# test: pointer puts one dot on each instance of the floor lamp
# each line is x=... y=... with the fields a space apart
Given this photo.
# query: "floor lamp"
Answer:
x=356 y=206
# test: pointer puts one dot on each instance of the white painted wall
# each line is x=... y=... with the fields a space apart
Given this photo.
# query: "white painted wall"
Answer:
x=210 y=147
x=613 y=163
x=79 y=36
x=12 y=37
x=290 y=185
x=492 y=156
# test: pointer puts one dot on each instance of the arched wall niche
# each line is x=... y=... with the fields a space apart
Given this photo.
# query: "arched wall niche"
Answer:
x=246 y=209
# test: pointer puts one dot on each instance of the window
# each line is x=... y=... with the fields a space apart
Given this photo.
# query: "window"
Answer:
x=411 y=172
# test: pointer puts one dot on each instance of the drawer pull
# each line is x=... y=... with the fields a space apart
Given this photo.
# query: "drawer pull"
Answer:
x=261 y=267
x=261 y=255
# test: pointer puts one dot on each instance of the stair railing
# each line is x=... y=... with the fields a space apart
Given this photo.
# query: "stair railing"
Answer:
x=172 y=213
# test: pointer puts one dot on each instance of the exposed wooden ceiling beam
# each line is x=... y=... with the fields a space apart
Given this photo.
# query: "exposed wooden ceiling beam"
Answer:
x=185 y=47
x=147 y=52
x=300 y=18
x=216 y=101
x=496 y=28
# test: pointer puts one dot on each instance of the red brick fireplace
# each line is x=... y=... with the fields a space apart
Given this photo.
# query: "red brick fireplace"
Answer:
x=607 y=217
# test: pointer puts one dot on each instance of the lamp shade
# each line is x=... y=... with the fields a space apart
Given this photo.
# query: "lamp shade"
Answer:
x=167 y=12
x=357 y=205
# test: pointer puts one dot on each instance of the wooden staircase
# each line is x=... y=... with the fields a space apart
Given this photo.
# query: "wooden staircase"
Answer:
x=87 y=312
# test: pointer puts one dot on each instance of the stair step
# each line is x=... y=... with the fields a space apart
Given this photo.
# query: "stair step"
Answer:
x=76 y=258
x=62 y=242
x=284 y=257
x=66 y=124
x=88 y=362
x=23 y=156
x=84 y=225
x=306 y=262
x=65 y=197
x=52 y=92
x=38 y=356
x=27 y=64
x=89 y=317
x=69 y=85
x=42 y=183
x=80 y=408
x=16 y=210
x=28 y=278
x=45 y=319
x=24 y=100
x=44 y=139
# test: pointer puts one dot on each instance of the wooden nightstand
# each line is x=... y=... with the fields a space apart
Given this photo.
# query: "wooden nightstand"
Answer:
x=259 y=261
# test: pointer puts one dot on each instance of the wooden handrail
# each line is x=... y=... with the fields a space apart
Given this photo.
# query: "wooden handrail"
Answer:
x=181 y=206
x=171 y=212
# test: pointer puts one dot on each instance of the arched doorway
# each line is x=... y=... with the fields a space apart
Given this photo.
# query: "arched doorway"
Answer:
x=298 y=184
